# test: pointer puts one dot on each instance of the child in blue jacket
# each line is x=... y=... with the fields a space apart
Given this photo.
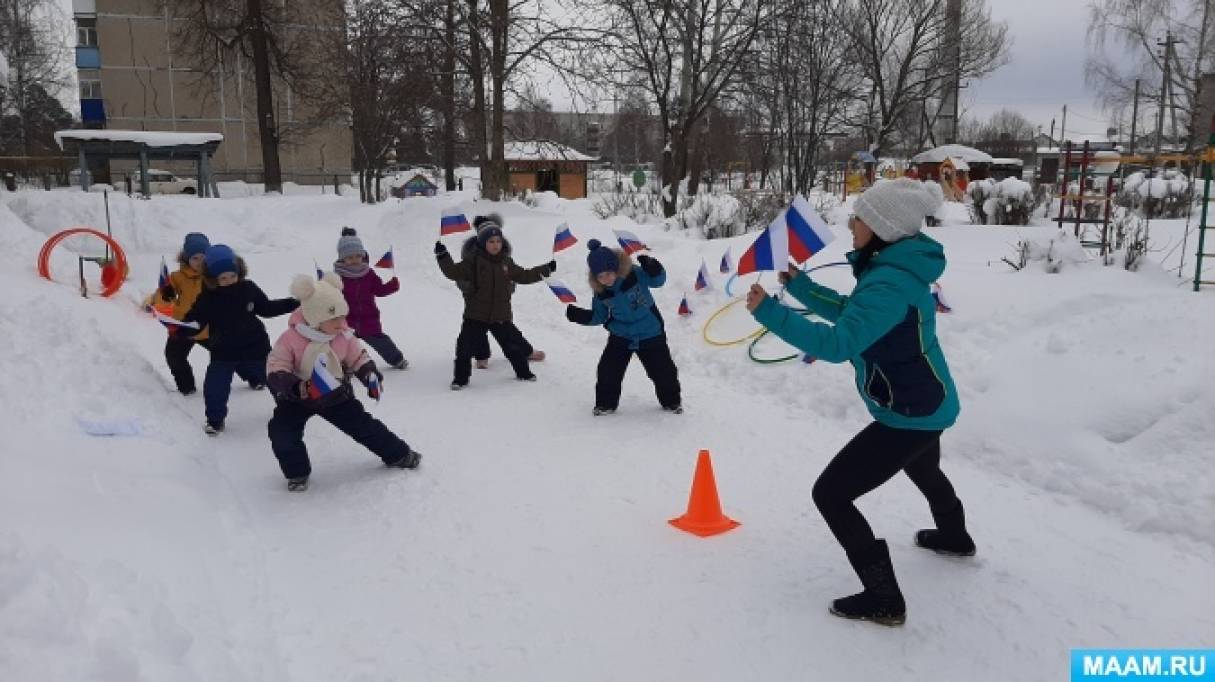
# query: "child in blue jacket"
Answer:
x=624 y=305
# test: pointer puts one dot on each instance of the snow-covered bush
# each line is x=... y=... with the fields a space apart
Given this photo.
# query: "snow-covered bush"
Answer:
x=1010 y=201
x=1164 y=195
x=640 y=207
x=1060 y=250
x=714 y=215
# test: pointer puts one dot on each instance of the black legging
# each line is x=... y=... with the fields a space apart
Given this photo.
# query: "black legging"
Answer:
x=870 y=459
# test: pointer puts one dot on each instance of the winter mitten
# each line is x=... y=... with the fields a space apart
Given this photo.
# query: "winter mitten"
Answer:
x=364 y=375
x=577 y=315
x=287 y=386
x=440 y=250
x=787 y=276
x=168 y=294
x=650 y=265
x=552 y=267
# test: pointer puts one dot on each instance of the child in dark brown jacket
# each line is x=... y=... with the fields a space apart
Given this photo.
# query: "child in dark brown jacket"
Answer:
x=486 y=277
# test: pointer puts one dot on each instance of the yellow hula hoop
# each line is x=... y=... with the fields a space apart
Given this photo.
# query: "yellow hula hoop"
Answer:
x=704 y=332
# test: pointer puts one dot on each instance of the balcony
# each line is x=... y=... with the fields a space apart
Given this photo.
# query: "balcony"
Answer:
x=92 y=111
x=84 y=7
x=88 y=58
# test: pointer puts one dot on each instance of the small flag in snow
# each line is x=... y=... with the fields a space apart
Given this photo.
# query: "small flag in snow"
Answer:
x=385 y=261
x=164 y=274
x=562 y=292
x=940 y=299
x=564 y=238
x=322 y=381
x=319 y=273
x=684 y=310
x=172 y=323
x=726 y=265
x=453 y=221
x=702 y=276
x=808 y=359
x=629 y=242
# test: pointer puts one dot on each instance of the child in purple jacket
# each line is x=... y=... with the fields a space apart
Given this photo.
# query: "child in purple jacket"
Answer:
x=361 y=286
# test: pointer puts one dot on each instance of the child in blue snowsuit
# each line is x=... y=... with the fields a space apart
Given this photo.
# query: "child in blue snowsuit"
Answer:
x=624 y=305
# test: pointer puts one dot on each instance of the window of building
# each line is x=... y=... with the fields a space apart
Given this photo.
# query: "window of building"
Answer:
x=86 y=33
x=90 y=84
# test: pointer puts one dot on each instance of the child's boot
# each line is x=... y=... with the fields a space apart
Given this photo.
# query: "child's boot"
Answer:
x=297 y=485
x=213 y=428
x=410 y=460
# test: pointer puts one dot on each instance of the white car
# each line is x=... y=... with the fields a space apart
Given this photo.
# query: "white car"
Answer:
x=164 y=182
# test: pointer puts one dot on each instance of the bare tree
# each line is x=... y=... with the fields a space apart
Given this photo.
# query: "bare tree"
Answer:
x=31 y=38
x=901 y=46
x=1136 y=26
x=686 y=53
x=219 y=36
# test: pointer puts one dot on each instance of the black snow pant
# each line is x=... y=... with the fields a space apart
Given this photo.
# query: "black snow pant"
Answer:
x=473 y=337
x=386 y=349
x=286 y=430
x=177 y=353
x=655 y=356
x=870 y=459
x=481 y=347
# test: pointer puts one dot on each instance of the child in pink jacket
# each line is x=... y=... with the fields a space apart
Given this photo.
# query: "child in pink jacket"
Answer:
x=309 y=373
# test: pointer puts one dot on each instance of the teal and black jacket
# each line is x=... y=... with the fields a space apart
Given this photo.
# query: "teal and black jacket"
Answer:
x=886 y=328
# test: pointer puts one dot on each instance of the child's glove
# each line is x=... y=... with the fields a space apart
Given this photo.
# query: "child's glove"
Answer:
x=168 y=294
x=366 y=374
x=287 y=386
x=440 y=250
x=577 y=315
x=649 y=265
x=550 y=268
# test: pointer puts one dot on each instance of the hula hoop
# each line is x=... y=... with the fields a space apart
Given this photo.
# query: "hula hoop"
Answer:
x=112 y=274
x=704 y=332
x=773 y=361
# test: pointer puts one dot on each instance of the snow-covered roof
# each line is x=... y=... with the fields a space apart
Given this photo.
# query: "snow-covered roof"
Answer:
x=952 y=151
x=543 y=150
x=151 y=138
x=1007 y=162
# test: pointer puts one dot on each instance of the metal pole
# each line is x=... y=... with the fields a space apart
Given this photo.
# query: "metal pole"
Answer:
x=1063 y=125
x=106 y=198
x=1134 y=117
x=1206 y=197
x=1080 y=181
x=1067 y=162
x=1164 y=85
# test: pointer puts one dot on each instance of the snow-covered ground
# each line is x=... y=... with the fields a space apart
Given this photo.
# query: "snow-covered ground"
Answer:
x=532 y=543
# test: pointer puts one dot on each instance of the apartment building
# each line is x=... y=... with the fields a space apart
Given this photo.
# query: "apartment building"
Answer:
x=134 y=76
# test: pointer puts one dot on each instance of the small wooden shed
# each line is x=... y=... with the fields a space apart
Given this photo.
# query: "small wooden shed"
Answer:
x=546 y=166
x=417 y=186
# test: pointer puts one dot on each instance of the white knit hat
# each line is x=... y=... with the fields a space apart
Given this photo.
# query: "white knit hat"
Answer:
x=895 y=209
x=319 y=300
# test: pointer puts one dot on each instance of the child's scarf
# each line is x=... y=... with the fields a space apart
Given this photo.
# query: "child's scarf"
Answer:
x=351 y=271
x=319 y=342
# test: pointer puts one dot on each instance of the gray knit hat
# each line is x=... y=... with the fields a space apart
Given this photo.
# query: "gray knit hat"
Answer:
x=349 y=244
x=895 y=209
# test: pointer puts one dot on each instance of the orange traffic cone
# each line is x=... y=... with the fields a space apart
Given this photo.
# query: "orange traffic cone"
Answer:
x=704 y=517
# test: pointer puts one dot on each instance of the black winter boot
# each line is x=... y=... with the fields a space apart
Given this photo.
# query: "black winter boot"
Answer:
x=881 y=601
x=949 y=537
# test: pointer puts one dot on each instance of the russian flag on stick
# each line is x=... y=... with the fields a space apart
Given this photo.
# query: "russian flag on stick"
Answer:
x=629 y=242
x=940 y=299
x=163 y=281
x=564 y=238
x=726 y=265
x=453 y=221
x=702 y=276
x=319 y=273
x=172 y=323
x=684 y=310
x=385 y=261
x=374 y=389
x=798 y=232
x=322 y=381
x=561 y=291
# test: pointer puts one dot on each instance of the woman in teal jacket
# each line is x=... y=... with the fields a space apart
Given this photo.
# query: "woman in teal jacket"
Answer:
x=887 y=329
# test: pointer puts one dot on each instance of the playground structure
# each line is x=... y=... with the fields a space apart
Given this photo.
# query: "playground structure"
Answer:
x=113 y=264
x=1087 y=182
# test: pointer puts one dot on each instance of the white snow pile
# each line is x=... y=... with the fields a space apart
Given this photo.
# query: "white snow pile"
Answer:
x=711 y=216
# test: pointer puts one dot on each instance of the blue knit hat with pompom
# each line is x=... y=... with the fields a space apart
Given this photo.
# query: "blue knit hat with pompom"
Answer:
x=601 y=258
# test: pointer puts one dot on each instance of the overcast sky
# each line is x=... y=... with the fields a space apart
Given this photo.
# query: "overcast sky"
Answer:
x=1045 y=69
